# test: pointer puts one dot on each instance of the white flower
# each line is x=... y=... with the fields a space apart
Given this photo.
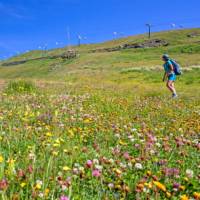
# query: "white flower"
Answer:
x=180 y=129
x=60 y=174
x=111 y=161
x=138 y=166
x=96 y=161
x=132 y=140
x=81 y=169
x=152 y=152
x=31 y=156
x=111 y=185
x=3 y=133
x=158 y=144
x=76 y=165
x=130 y=165
x=122 y=165
x=189 y=173
x=41 y=195
x=39 y=182
x=196 y=141
x=133 y=129
x=130 y=137
x=75 y=170
x=145 y=190
x=64 y=187
x=139 y=134
x=99 y=167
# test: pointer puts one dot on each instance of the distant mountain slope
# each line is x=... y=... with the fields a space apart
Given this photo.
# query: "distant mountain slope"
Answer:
x=115 y=55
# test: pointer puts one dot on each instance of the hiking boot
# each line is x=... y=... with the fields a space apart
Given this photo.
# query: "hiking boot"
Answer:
x=174 y=95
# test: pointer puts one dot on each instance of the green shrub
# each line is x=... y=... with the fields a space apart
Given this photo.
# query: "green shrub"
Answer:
x=20 y=86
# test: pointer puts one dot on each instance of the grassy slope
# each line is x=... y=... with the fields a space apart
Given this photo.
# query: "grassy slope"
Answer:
x=54 y=128
x=184 y=49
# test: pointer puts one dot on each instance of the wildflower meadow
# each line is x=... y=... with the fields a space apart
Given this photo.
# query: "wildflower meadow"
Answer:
x=98 y=143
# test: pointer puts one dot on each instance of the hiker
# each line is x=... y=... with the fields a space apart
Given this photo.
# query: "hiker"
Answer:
x=169 y=74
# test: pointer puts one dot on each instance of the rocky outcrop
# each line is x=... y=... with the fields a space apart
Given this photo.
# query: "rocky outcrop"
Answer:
x=67 y=55
x=192 y=35
x=145 y=44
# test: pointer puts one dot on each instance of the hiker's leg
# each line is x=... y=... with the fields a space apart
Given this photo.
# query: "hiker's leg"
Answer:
x=169 y=86
x=173 y=87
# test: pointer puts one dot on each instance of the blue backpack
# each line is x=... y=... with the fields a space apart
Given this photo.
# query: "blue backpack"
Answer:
x=177 y=68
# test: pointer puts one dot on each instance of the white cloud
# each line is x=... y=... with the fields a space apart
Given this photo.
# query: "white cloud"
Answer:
x=13 y=11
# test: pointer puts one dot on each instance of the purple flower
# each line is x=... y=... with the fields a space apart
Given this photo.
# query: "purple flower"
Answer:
x=176 y=185
x=89 y=164
x=126 y=156
x=64 y=197
x=171 y=172
x=96 y=173
x=3 y=184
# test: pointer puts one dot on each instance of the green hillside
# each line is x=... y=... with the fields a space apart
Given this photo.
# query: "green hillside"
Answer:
x=102 y=125
x=183 y=45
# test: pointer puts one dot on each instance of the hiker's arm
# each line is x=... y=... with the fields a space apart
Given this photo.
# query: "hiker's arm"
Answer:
x=164 y=77
x=171 y=69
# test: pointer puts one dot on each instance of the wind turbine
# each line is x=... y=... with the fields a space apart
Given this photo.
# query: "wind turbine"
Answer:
x=115 y=34
x=80 y=38
x=149 y=29
x=173 y=25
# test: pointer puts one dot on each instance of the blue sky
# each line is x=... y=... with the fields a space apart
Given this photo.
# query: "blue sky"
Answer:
x=34 y=24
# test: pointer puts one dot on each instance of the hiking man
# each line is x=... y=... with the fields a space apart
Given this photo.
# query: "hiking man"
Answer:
x=169 y=74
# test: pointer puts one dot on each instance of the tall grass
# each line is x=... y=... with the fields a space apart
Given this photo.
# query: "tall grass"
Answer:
x=20 y=86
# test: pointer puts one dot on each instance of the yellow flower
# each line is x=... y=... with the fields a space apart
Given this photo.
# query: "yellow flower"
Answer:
x=23 y=184
x=61 y=140
x=57 y=141
x=160 y=186
x=118 y=187
x=66 y=168
x=48 y=134
x=184 y=197
x=55 y=153
x=196 y=195
x=46 y=192
x=75 y=148
x=182 y=187
x=71 y=133
x=133 y=161
x=186 y=179
x=117 y=171
x=122 y=143
x=38 y=186
x=56 y=145
x=11 y=162
x=168 y=194
x=56 y=113
x=149 y=185
x=65 y=151
x=149 y=173
x=86 y=121
x=1 y=159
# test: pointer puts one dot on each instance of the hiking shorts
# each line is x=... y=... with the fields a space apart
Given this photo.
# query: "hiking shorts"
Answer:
x=172 y=77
